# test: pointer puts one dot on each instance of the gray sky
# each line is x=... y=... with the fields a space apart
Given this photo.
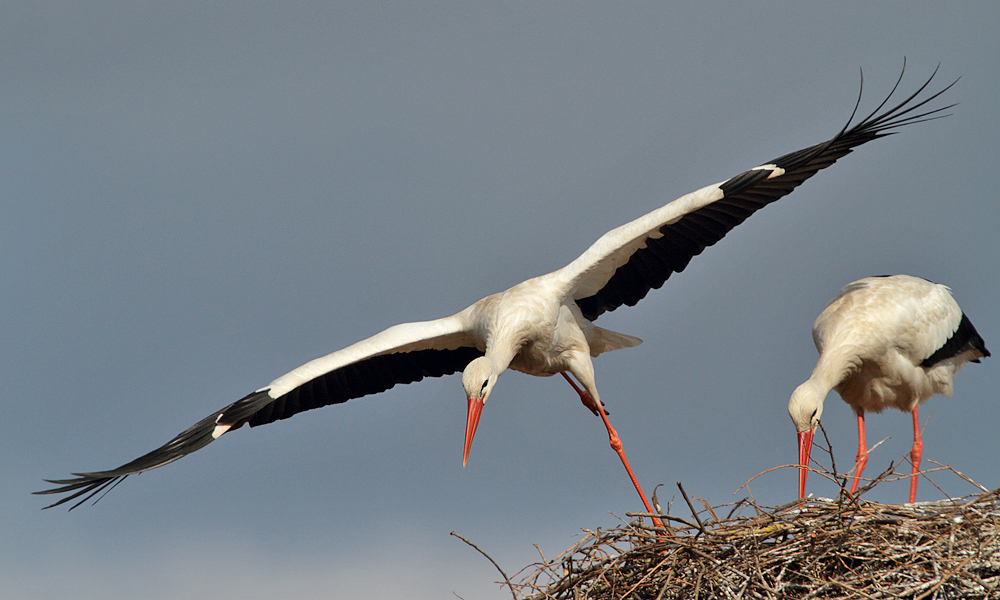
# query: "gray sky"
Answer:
x=197 y=198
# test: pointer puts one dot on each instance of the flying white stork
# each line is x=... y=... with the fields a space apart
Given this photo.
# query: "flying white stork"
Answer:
x=890 y=341
x=542 y=326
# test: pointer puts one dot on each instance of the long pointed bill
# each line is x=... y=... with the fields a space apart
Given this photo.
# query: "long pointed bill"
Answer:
x=805 y=447
x=475 y=409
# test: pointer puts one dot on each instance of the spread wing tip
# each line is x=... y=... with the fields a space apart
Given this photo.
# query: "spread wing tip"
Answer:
x=877 y=124
x=87 y=485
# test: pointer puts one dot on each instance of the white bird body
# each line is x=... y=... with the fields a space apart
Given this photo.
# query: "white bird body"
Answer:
x=885 y=342
x=901 y=319
x=541 y=326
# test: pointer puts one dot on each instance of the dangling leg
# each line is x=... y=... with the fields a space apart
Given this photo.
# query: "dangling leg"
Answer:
x=915 y=455
x=862 y=459
x=616 y=443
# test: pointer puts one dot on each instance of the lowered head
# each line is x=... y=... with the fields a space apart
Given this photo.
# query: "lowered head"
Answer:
x=805 y=408
x=478 y=380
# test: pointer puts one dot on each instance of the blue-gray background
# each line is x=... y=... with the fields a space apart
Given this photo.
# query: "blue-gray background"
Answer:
x=198 y=197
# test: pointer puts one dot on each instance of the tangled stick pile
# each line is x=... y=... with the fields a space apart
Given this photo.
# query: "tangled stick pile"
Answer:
x=845 y=548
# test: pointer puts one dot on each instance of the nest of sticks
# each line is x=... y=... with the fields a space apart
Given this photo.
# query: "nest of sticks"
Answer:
x=814 y=548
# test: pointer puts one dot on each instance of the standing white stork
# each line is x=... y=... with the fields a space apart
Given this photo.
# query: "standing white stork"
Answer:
x=890 y=341
x=542 y=326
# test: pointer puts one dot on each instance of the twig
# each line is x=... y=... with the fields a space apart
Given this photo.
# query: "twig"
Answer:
x=881 y=477
x=960 y=474
x=540 y=553
x=931 y=481
x=820 y=472
x=684 y=522
x=708 y=507
x=489 y=558
x=829 y=450
x=691 y=506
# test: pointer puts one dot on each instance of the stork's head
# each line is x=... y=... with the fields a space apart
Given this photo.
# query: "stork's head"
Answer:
x=478 y=380
x=805 y=407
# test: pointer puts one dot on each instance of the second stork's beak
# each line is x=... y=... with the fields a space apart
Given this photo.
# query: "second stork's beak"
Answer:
x=805 y=446
x=475 y=410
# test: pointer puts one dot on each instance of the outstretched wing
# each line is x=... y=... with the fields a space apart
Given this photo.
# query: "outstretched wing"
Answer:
x=625 y=263
x=402 y=354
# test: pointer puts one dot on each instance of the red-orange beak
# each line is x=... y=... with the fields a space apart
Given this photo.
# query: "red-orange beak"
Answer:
x=475 y=410
x=805 y=447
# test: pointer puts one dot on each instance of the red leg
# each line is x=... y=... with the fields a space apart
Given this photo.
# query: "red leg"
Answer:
x=616 y=443
x=915 y=455
x=862 y=459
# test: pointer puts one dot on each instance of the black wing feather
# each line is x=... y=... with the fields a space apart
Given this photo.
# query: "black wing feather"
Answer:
x=648 y=268
x=370 y=376
x=964 y=339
